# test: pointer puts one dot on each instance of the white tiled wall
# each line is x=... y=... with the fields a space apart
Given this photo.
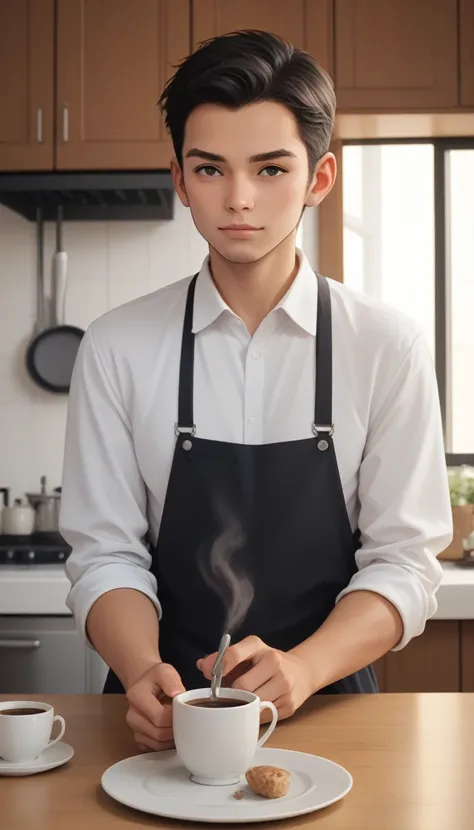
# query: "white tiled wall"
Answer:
x=109 y=264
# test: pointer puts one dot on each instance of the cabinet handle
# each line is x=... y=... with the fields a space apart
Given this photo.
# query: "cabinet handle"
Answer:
x=39 y=125
x=20 y=643
x=65 y=124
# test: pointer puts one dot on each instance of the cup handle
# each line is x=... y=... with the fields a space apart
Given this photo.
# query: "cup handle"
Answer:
x=265 y=704
x=61 y=732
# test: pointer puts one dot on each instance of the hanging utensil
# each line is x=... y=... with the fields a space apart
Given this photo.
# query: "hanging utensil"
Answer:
x=52 y=352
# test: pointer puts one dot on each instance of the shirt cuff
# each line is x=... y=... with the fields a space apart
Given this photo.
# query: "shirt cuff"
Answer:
x=98 y=581
x=412 y=594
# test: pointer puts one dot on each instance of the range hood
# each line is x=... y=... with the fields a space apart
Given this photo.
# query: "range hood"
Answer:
x=90 y=195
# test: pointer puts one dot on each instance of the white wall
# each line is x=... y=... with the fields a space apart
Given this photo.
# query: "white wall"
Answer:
x=109 y=264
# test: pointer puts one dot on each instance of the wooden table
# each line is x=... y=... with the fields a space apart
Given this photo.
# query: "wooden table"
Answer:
x=411 y=757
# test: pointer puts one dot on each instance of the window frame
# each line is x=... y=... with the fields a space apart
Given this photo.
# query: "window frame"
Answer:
x=441 y=148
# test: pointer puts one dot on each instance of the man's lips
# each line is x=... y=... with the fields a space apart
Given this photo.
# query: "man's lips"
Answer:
x=240 y=231
x=239 y=228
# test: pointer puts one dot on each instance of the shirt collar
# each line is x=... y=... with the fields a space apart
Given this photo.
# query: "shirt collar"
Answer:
x=299 y=302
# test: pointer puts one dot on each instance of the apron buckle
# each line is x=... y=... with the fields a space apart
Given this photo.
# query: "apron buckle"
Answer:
x=322 y=443
x=317 y=428
x=191 y=431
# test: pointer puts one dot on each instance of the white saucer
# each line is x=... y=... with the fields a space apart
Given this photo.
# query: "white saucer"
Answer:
x=56 y=755
x=157 y=783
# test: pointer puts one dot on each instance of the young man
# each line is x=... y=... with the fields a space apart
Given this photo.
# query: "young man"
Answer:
x=309 y=412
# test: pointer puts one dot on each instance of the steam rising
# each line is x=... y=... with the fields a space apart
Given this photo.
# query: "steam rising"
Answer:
x=221 y=574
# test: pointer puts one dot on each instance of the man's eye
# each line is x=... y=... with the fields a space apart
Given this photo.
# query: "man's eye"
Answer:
x=272 y=171
x=208 y=170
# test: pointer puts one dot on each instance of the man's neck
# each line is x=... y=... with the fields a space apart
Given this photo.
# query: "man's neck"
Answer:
x=253 y=289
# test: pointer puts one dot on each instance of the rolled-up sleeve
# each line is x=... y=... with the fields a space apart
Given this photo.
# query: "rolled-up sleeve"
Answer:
x=103 y=503
x=405 y=513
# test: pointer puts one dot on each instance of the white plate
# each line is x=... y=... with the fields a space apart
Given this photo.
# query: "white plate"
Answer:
x=158 y=783
x=55 y=756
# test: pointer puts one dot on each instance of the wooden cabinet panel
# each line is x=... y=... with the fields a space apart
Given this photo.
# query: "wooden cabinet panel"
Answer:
x=113 y=59
x=305 y=23
x=466 y=44
x=26 y=84
x=429 y=663
x=467 y=656
x=396 y=54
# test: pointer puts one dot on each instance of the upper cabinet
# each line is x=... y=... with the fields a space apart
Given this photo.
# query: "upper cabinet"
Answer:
x=26 y=84
x=80 y=79
x=113 y=60
x=396 y=54
x=466 y=40
x=305 y=23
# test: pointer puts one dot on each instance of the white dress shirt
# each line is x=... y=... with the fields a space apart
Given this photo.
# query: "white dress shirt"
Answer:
x=251 y=390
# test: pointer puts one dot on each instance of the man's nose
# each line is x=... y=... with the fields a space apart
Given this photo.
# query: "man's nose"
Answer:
x=240 y=194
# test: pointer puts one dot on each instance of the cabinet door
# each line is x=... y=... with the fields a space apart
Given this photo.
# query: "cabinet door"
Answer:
x=396 y=54
x=466 y=37
x=41 y=655
x=305 y=23
x=26 y=84
x=429 y=663
x=467 y=656
x=113 y=59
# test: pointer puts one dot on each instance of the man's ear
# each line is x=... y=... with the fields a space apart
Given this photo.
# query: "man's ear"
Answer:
x=323 y=180
x=178 y=181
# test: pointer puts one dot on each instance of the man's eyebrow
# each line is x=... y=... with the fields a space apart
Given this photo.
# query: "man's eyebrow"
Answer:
x=195 y=152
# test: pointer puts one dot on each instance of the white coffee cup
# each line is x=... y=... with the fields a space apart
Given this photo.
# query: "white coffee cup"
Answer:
x=25 y=737
x=217 y=745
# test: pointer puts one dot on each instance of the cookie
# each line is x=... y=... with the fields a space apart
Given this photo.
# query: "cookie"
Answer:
x=270 y=782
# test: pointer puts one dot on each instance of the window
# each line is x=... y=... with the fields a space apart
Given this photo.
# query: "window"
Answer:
x=409 y=241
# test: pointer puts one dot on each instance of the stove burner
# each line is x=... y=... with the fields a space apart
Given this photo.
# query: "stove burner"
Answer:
x=36 y=549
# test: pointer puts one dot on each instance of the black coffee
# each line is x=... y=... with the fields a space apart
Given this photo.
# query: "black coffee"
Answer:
x=21 y=711
x=220 y=703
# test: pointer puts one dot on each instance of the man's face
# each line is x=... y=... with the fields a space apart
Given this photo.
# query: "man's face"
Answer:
x=245 y=167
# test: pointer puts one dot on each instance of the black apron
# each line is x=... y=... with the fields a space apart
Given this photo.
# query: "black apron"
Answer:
x=298 y=549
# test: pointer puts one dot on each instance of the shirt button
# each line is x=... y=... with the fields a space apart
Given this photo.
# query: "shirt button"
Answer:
x=252 y=419
x=256 y=355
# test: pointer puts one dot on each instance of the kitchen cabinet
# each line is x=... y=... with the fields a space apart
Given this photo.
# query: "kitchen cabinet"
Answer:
x=467 y=656
x=397 y=54
x=45 y=655
x=113 y=59
x=305 y=23
x=26 y=84
x=466 y=45
x=429 y=663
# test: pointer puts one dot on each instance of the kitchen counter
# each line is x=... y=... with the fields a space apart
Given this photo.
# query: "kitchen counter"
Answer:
x=33 y=589
x=410 y=756
x=36 y=589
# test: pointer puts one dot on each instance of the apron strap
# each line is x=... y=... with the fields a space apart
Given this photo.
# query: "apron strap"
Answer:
x=323 y=389
x=186 y=368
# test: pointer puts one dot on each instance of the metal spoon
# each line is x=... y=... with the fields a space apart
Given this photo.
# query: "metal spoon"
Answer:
x=216 y=675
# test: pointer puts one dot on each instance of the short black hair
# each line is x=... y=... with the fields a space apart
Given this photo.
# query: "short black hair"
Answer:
x=247 y=67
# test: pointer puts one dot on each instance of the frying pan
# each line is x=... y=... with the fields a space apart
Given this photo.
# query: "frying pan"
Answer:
x=52 y=351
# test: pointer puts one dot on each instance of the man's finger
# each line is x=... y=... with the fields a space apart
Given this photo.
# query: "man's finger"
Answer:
x=167 y=679
x=149 y=745
x=142 y=710
x=247 y=649
x=257 y=675
x=145 y=702
x=162 y=680
x=138 y=723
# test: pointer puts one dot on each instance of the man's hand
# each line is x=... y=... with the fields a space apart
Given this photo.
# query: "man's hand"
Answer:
x=278 y=676
x=150 y=710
